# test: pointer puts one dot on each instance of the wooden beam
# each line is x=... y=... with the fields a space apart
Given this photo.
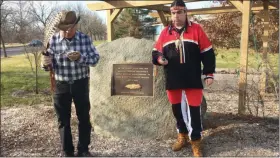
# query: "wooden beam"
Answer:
x=266 y=5
x=244 y=56
x=115 y=14
x=274 y=4
x=162 y=18
x=113 y=4
x=156 y=15
x=214 y=10
x=260 y=15
x=237 y=4
x=159 y=7
x=263 y=83
x=259 y=7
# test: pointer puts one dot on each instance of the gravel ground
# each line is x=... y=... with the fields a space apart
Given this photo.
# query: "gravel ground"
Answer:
x=32 y=131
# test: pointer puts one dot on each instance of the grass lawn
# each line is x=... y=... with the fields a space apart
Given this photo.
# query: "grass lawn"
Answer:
x=7 y=45
x=230 y=58
x=16 y=75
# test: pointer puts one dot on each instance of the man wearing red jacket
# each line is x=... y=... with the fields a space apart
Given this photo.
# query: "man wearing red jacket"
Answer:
x=181 y=48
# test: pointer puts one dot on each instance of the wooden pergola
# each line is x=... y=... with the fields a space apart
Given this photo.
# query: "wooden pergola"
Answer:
x=114 y=8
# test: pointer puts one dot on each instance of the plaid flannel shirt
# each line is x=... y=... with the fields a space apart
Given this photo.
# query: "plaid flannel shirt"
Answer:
x=64 y=68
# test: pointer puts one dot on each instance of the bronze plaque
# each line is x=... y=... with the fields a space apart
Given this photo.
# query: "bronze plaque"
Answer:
x=132 y=79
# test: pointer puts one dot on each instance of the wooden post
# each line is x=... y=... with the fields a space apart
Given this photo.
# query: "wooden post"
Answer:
x=111 y=16
x=162 y=18
x=263 y=81
x=109 y=26
x=244 y=56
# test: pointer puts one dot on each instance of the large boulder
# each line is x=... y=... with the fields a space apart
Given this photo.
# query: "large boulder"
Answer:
x=128 y=116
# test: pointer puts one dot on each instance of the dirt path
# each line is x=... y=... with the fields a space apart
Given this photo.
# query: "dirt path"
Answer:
x=32 y=131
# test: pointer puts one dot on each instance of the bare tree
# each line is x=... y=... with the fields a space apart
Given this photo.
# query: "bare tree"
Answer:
x=8 y=26
x=92 y=25
x=6 y=12
x=22 y=21
x=41 y=13
x=33 y=55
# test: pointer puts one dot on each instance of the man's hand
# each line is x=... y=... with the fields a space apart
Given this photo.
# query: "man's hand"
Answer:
x=46 y=60
x=162 y=61
x=73 y=56
x=209 y=81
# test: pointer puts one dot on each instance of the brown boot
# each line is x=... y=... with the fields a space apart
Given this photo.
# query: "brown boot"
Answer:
x=182 y=140
x=196 y=148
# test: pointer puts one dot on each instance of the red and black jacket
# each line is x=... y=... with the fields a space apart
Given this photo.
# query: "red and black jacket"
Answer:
x=197 y=48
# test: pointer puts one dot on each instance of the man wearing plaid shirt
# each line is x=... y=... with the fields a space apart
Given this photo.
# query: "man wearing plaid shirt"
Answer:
x=70 y=55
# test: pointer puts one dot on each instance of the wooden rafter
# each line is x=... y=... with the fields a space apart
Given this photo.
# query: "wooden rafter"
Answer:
x=259 y=15
x=111 y=16
x=259 y=7
x=115 y=14
x=162 y=18
x=156 y=15
x=113 y=4
x=237 y=4
x=273 y=4
x=215 y=10
x=158 y=7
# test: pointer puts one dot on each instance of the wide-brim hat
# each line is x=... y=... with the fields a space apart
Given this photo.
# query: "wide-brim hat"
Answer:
x=68 y=19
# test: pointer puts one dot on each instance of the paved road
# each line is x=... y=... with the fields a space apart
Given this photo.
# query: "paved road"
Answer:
x=13 y=51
